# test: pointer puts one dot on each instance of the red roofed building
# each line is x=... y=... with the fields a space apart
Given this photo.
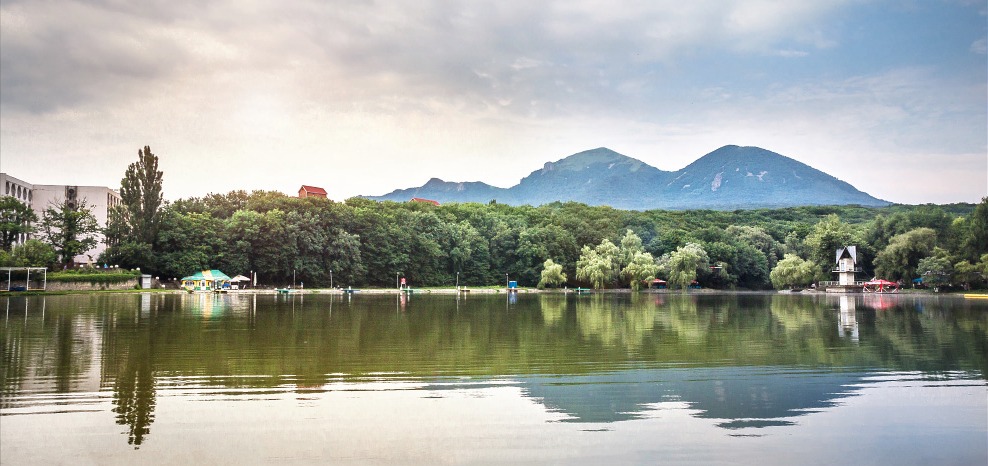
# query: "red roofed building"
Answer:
x=427 y=201
x=311 y=191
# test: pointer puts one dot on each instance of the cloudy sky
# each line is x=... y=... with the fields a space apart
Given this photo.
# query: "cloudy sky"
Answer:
x=363 y=97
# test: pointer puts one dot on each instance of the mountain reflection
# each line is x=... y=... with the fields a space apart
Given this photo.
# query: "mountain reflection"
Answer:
x=740 y=396
x=747 y=360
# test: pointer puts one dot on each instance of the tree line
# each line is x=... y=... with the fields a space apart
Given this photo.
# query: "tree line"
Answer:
x=361 y=242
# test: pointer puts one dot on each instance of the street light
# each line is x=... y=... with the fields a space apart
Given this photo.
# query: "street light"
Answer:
x=457 y=281
x=331 y=279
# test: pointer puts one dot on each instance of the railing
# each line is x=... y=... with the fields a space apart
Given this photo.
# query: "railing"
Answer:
x=826 y=284
x=844 y=269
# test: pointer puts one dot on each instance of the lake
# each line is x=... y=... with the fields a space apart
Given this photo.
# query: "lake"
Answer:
x=532 y=378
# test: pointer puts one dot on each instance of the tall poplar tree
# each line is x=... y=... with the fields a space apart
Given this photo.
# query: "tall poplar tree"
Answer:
x=140 y=193
x=134 y=224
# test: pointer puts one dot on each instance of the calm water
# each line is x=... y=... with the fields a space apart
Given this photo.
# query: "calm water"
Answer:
x=736 y=379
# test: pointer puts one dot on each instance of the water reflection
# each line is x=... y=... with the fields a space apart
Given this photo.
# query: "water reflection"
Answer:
x=848 y=317
x=746 y=361
x=737 y=396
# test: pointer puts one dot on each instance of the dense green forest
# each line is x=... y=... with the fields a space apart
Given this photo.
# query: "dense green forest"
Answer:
x=360 y=242
x=369 y=243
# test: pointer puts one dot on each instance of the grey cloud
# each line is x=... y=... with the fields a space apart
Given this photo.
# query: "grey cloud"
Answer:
x=575 y=56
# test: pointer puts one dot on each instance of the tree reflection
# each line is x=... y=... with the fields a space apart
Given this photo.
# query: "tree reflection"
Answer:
x=134 y=397
x=132 y=363
x=747 y=360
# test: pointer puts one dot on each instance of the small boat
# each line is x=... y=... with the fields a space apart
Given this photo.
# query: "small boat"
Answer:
x=283 y=290
x=582 y=290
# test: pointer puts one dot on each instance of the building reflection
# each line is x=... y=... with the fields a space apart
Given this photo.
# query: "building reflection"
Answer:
x=848 y=322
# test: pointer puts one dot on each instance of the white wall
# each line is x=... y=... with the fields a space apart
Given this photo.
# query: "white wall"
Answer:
x=99 y=199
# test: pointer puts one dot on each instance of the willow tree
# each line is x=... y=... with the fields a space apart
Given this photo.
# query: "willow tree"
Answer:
x=641 y=268
x=552 y=274
x=599 y=265
x=684 y=264
x=792 y=271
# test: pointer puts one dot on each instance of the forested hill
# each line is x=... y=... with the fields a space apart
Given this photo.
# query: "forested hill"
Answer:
x=728 y=178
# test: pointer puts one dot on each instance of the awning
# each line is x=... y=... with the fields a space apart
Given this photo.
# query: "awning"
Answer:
x=210 y=275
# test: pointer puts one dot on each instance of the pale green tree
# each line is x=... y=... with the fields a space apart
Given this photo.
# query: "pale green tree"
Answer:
x=631 y=244
x=552 y=274
x=640 y=268
x=791 y=272
x=685 y=263
x=598 y=265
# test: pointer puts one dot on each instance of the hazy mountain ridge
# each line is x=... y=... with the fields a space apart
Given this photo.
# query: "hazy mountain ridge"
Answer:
x=728 y=178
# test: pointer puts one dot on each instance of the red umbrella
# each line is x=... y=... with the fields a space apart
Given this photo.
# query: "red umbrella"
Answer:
x=880 y=285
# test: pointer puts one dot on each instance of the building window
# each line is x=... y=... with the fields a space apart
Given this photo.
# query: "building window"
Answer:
x=7 y=187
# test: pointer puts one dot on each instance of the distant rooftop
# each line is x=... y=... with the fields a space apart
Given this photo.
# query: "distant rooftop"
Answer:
x=311 y=191
x=427 y=201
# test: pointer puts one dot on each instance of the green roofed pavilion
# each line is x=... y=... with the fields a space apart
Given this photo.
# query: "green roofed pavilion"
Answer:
x=206 y=280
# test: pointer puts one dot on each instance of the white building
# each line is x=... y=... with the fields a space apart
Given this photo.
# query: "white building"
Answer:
x=99 y=199
x=20 y=190
x=846 y=265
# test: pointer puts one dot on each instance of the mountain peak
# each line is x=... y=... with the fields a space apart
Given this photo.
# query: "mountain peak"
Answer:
x=593 y=158
x=731 y=177
x=434 y=182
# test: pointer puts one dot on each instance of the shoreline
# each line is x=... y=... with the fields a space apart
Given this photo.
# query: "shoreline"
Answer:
x=474 y=291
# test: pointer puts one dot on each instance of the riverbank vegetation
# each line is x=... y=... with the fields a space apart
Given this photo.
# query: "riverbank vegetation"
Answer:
x=368 y=243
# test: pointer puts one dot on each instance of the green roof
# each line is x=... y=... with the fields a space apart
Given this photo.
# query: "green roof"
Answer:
x=208 y=275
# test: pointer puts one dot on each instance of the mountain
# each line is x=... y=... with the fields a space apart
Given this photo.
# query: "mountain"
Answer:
x=595 y=177
x=446 y=191
x=740 y=177
x=731 y=177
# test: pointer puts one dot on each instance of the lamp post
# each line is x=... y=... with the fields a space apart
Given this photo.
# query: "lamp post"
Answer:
x=457 y=281
x=331 y=279
x=505 y=281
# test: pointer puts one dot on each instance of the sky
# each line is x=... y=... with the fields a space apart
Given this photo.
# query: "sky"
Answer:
x=364 y=97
